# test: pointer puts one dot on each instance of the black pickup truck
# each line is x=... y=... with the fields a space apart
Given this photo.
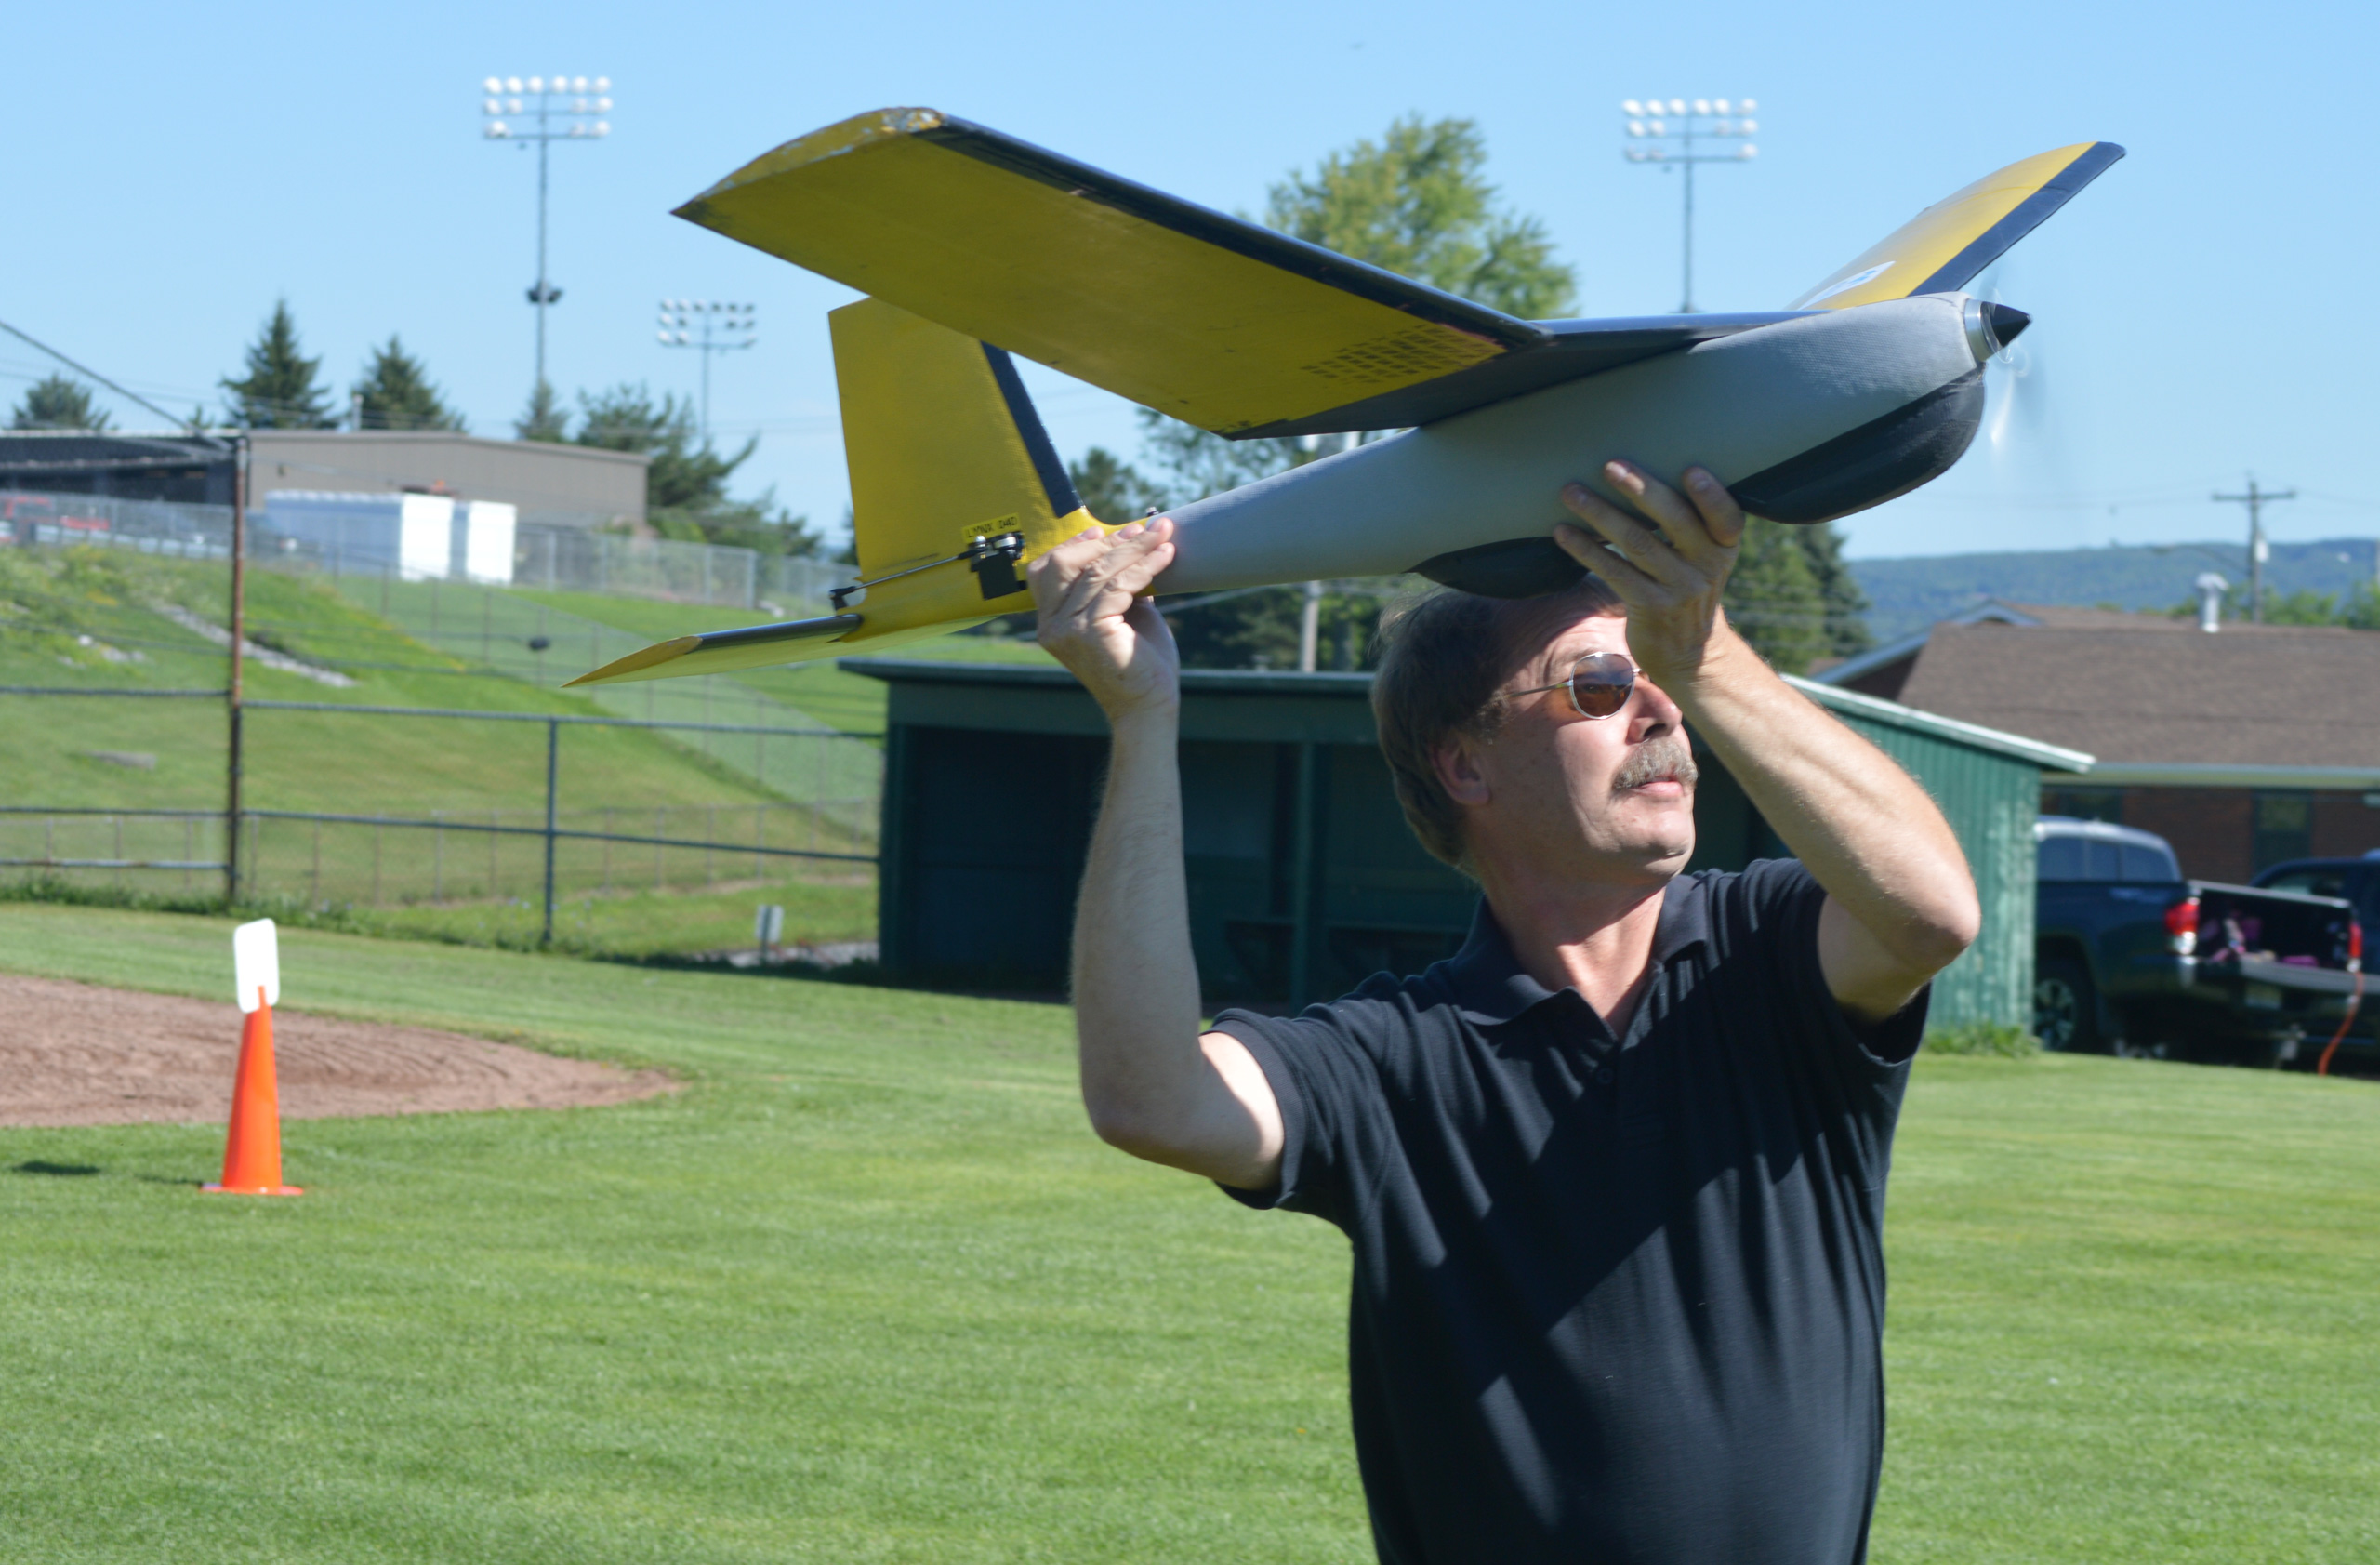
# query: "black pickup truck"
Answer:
x=2357 y=880
x=2133 y=958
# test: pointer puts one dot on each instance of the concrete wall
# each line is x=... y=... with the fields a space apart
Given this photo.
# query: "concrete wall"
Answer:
x=573 y=486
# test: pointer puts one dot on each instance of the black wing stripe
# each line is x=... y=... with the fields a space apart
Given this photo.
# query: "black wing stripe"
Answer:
x=787 y=630
x=1215 y=228
x=1993 y=242
x=1056 y=487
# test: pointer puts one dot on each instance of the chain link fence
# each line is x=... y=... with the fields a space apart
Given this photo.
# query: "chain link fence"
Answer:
x=683 y=786
x=561 y=558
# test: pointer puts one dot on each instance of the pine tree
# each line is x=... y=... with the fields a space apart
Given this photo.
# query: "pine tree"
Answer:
x=59 y=402
x=543 y=418
x=1773 y=598
x=1846 y=605
x=1111 y=488
x=685 y=488
x=395 y=394
x=279 y=391
x=683 y=478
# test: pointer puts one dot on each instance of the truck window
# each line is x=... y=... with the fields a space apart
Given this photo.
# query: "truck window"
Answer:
x=2313 y=883
x=2102 y=861
x=2061 y=858
x=2142 y=862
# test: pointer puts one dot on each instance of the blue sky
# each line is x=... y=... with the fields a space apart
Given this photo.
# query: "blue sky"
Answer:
x=2199 y=312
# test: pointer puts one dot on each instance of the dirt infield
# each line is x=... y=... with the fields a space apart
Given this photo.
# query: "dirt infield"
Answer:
x=75 y=1054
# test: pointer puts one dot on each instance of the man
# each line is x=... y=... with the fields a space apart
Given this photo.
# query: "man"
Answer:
x=1613 y=1175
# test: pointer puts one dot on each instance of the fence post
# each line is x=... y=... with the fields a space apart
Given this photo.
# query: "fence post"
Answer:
x=554 y=771
x=231 y=701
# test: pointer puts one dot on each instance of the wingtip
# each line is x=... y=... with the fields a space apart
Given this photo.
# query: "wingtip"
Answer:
x=638 y=661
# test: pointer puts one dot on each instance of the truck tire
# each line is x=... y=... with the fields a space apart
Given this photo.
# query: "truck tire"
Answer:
x=2065 y=1009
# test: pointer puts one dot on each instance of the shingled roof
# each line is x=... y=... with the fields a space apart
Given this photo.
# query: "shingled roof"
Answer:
x=2143 y=688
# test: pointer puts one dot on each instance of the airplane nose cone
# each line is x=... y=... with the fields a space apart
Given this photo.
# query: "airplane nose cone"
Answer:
x=1991 y=327
x=2006 y=321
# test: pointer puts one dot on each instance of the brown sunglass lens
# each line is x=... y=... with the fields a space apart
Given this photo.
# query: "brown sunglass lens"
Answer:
x=1601 y=689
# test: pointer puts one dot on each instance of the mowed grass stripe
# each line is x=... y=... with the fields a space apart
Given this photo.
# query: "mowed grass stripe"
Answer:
x=867 y=1290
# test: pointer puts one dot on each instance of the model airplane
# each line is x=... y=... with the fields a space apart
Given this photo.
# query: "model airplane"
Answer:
x=1869 y=385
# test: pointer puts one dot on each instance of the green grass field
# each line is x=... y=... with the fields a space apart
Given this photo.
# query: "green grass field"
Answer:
x=867 y=1290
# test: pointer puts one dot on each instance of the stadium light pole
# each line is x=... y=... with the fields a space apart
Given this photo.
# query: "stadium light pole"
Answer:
x=1663 y=131
x=707 y=327
x=545 y=110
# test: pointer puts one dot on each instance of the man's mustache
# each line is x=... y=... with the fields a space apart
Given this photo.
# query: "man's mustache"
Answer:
x=1656 y=760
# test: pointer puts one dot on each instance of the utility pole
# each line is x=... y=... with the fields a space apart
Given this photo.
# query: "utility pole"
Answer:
x=1663 y=133
x=544 y=98
x=2256 y=499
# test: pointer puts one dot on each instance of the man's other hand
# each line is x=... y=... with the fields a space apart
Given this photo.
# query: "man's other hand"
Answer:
x=1095 y=622
x=1670 y=580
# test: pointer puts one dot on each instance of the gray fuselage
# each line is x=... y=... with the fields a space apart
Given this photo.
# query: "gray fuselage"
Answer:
x=1759 y=402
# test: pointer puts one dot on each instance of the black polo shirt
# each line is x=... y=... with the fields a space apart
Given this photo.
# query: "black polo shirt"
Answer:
x=1615 y=1299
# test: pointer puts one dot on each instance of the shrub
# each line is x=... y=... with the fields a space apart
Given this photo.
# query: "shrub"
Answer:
x=1995 y=1039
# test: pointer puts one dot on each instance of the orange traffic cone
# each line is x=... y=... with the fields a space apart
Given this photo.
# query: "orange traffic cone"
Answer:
x=252 y=1156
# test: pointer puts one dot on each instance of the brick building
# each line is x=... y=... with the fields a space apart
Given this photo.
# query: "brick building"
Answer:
x=2242 y=746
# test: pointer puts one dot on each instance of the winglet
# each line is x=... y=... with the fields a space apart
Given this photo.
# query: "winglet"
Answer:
x=1944 y=246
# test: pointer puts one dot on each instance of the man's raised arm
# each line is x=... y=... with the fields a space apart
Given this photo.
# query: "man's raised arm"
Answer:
x=1900 y=903
x=1153 y=1086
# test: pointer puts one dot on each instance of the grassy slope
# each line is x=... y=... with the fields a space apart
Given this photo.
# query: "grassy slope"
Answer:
x=850 y=702
x=296 y=761
x=867 y=1290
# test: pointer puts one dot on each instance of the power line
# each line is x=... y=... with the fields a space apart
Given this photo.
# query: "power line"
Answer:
x=86 y=369
x=2256 y=500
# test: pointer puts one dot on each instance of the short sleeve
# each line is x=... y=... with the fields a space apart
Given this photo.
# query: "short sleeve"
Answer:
x=1785 y=899
x=1324 y=1071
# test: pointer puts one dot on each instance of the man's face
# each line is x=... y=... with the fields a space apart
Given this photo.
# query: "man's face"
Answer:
x=1608 y=798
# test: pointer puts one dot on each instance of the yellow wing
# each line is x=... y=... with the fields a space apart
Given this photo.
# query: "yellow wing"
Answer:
x=1217 y=321
x=1945 y=245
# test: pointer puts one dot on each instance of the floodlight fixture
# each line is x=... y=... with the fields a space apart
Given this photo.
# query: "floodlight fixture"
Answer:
x=709 y=326
x=1672 y=126
x=556 y=119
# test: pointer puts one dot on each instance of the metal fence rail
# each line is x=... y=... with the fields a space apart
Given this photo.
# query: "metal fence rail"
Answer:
x=830 y=832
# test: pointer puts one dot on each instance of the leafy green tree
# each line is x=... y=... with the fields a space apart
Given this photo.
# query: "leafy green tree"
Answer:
x=685 y=488
x=2361 y=610
x=2305 y=606
x=1418 y=203
x=543 y=418
x=1112 y=489
x=2358 y=609
x=395 y=394
x=280 y=391
x=58 y=402
x=1774 y=598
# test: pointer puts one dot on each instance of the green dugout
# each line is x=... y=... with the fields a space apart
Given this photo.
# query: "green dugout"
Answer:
x=1303 y=878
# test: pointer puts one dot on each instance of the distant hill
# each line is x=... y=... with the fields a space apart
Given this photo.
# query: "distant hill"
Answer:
x=1912 y=594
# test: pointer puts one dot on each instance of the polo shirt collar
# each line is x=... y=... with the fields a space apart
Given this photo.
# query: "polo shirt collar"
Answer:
x=1489 y=988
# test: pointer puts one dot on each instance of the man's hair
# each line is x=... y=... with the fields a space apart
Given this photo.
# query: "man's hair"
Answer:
x=1442 y=660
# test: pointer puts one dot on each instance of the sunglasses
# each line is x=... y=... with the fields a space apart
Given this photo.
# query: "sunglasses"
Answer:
x=1599 y=683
